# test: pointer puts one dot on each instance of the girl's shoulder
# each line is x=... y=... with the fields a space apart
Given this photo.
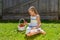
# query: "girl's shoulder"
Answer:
x=38 y=15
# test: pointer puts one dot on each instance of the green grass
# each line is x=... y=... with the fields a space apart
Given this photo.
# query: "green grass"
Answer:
x=8 y=31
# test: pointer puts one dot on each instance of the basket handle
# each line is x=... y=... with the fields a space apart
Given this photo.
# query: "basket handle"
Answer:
x=21 y=19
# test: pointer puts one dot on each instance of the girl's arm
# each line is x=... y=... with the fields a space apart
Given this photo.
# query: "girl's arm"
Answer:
x=25 y=22
x=39 y=21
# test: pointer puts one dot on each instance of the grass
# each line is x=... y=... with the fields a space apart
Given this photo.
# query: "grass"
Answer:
x=8 y=31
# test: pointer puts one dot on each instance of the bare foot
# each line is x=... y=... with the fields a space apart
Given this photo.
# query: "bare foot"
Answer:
x=43 y=33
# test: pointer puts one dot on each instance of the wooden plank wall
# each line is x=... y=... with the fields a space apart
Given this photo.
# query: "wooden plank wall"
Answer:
x=59 y=10
x=48 y=9
x=0 y=7
x=59 y=7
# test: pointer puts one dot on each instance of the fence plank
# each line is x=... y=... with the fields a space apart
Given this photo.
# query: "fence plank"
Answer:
x=20 y=7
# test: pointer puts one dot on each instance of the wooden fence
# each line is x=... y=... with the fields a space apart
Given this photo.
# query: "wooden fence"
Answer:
x=15 y=9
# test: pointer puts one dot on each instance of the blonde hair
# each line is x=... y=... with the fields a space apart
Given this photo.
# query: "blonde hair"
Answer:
x=33 y=9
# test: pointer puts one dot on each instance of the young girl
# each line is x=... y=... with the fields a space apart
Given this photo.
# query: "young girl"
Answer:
x=35 y=21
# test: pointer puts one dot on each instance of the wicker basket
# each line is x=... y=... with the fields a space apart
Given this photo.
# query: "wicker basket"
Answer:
x=21 y=25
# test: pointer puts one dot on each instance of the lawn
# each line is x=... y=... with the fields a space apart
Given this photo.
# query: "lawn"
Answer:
x=8 y=31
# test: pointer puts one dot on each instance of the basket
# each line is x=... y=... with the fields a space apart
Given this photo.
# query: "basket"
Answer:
x=21 y=25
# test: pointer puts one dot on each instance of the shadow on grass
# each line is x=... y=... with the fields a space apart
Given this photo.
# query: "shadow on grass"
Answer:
x=17 y=21
x=32 y=37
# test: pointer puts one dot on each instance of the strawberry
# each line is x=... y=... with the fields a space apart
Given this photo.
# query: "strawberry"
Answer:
x=22 y=25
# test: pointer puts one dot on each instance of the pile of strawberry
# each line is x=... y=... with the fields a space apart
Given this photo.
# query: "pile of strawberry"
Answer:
x=21 y=25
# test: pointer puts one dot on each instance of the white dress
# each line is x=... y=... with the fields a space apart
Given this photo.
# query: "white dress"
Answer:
x=32 y=24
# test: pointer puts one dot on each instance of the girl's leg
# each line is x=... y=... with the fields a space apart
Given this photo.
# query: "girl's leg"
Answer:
x=28 y=33
x=28 y=30
x=42 y=31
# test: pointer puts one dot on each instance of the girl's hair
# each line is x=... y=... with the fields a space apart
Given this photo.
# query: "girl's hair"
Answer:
x=33 y=9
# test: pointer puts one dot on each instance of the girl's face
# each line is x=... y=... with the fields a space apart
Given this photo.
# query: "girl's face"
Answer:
x=31 y=13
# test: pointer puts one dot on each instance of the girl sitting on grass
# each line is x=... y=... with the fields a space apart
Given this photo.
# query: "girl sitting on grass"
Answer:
x=35 y=22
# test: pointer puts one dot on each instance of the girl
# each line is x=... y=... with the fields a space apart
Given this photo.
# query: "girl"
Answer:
x=35 y=21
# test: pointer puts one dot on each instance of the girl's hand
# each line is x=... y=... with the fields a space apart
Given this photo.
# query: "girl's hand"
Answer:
x=25 y=23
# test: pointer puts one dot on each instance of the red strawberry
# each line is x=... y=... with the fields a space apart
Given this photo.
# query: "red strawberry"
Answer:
x=21 y=25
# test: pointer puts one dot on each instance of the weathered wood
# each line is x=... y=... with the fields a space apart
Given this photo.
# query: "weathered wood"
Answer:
x=49 y=17
x=59 y=9
x=0 y=7
x=47 y=8
x=19 y=5
x=14 y=17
